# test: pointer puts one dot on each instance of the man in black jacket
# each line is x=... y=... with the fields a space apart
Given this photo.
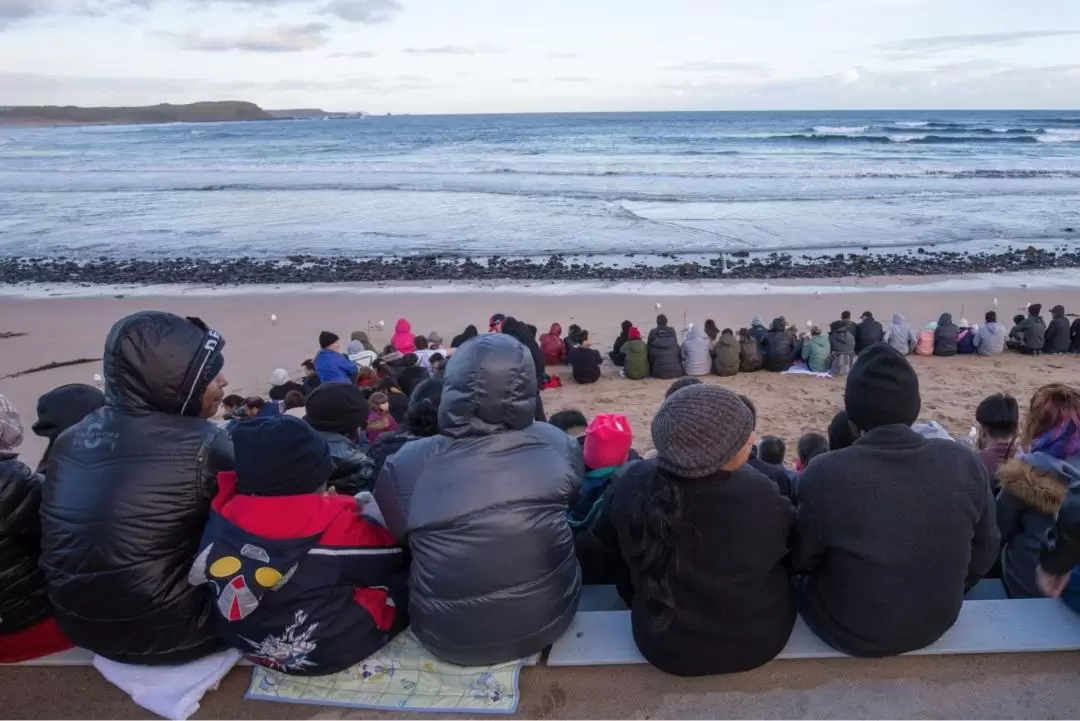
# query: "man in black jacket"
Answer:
x=339 y=413
x=893 y=530
x=1057 y=333
x=868 y=332
x=778 y=347
x=128 y=491
x=516 y=329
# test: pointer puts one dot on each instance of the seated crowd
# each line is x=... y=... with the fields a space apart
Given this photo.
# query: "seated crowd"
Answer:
x=421 y=487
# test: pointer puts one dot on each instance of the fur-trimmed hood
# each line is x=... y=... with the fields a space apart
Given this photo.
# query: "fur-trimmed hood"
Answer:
x=1042 y=490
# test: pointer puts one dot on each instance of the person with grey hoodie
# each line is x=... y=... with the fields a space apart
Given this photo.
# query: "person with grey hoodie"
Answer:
x=696 y=356
x=757 y=328
x=901 y=337
x=989 y=340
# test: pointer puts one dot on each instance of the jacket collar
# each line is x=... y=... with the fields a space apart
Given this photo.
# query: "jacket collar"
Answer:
x=895 y=436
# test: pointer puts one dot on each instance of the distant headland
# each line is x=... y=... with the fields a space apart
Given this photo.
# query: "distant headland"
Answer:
x=207 y=112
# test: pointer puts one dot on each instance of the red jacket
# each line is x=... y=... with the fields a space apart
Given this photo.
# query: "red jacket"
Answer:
x=552 y=346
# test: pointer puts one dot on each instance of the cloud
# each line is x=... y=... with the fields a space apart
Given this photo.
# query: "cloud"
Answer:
x=710 y=66
x=945 y=43
x=276 y=39
x=369 y=12
x=455 y=50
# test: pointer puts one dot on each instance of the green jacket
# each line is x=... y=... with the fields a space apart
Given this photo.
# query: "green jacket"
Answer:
x=817 y=352
x=637 y=359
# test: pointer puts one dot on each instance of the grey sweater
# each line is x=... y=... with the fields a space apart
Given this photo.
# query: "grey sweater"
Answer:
x=891 y=533
x=990 y=340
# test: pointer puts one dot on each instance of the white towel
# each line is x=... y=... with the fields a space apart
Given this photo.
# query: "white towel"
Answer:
x=172 y=692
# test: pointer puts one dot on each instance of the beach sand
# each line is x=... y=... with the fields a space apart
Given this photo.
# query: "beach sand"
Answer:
x=1024 y=686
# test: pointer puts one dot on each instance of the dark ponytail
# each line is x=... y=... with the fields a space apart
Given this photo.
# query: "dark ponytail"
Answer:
x=654 y=539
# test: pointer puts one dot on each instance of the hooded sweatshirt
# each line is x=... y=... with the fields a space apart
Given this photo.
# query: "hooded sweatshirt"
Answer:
x=665 y=358
x=552 y=346
x=1057 y=333
x=696 y=356
x=990 y=340
x=636 y=365
x=750 y=356
x=403 y=341
x=817 y=352
x=901 y=337
x=945 y=337
x=300 y=584
x=757 y=328
x=1031 y=332
x=778 y=347
x=364 y=340
x=60 y=409
x=726 y=355
x=841 y=338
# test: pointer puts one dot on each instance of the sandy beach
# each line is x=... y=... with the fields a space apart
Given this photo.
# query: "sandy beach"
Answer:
x=64 y=328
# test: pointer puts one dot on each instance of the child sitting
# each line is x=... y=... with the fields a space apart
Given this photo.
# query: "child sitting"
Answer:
x=809 y=447
x=572 y=422
x=379 y=419
x=302 y=582
x=607 y=449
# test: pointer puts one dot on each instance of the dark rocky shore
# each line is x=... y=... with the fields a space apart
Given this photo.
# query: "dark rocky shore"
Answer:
x=312 y=269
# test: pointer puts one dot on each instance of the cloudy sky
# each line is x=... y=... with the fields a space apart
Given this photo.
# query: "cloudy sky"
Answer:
x=454 y=56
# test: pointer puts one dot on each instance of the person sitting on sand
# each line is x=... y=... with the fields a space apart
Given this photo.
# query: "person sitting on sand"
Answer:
x=403 y=340
x=379 y=420
x=1034 y=484
x=118 y=582
x=27 y=627
x=757 y=328
x=665 y=358
x=696 y=353
x=339 y=414
x=778 y=476
x=585 y=361
x=617 y=356
x=552 y=346
x=361 y=336
x=842 y=342
x=945 y=336
x=892 y=531
x=60 y=409
x=311 y=378
x=1057 y=332
x=901 y=337
x=998 y=417
x=989 y=340
x=294 y=405
x=281 y=385
x=573 y=338
x=867 y=333
x=1074 y=336
x=750 y=356
x=725 y=354
x=809 y=447
x=493 y=576
x=330 y=364
x=230 y=404
x=817 y=351
x=712 y=331
x=694 y=611
x=526 y=335
x=320 y=571
x=840 y=434
x=608 y=441
x=636 y=366
x=778 y=347
x=361 y=356
x=1030 y=333
x=572 y=422
x=1014 y=341
x=421 y=421
x=468 y=334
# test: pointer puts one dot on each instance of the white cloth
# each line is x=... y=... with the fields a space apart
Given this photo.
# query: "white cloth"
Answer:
x=172 y=692
x=364 y=358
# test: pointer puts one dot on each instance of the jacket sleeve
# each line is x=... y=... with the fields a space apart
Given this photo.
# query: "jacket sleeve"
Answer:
x=347 y=367
x=978 y=338
x=986 y=545
x=1008 y=512
x=20 y=498
x=913 y=340
x=219 y=457
x=1061 y=548
x=382 y=556
x=809 y=541
x=393 y=500
x=805 y=354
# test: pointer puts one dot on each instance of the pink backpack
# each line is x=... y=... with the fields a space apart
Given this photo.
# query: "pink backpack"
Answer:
x=925 y=346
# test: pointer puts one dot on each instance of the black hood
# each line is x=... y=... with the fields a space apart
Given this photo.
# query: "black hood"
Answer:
x=945 y=319
x=63 y=407
x=779 y=325
x=1058 y=311
x=490 y=386
x=156 y=361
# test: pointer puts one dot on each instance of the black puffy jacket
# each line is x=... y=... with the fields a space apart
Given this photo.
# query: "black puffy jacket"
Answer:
x=127 y=493
x=665 y=357
x=841 y=338
x=23 y=601
x=354 y=471
x=527 y=337
x=779 y=347
x=867 y=333
x=1057 y=333
x=945 y=337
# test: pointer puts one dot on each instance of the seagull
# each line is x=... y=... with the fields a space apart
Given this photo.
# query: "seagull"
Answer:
x=818 y=294
x=381 y=324
x=658 y=306
x=273 y=318
x=995 y=302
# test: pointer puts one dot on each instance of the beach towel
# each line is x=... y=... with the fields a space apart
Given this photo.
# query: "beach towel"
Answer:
x=172 y=692
x=800 y=369
x=401 y=676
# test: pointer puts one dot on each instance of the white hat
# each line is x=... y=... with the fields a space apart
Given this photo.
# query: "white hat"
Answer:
x=279 y=377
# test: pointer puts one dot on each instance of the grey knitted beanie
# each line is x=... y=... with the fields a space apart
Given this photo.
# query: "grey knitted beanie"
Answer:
x=699 y=429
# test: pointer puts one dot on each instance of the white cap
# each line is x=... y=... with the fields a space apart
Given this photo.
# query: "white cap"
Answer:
x=279 y=377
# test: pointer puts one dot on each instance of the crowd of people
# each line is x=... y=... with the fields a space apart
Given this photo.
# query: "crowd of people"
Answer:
x=423 y=487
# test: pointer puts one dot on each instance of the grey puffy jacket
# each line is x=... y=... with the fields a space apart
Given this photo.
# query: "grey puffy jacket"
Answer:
x=697 y=353
x=483 y=508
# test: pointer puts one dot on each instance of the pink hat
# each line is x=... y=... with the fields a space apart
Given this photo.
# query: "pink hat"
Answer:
x=607 y=441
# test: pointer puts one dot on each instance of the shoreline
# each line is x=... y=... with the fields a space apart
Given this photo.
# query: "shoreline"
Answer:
x=309 y=269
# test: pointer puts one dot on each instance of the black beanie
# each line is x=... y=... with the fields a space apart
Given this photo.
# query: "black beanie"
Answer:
x=279 y=456
x=882 y=389
x=338 y=408
x=840 y=435
x=327 y=339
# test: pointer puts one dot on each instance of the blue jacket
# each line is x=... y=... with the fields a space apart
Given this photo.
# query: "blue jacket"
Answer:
x=331 y=366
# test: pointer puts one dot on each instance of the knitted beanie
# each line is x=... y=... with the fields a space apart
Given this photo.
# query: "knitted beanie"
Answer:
x=699 y=429
x=327 y=339
x=338 y=408
x=882 y=389
x=279 y=456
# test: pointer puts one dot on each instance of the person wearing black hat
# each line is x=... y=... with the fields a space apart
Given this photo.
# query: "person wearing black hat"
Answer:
x=128 y=487
x=330 y=364
x=892 y=531
x=302 y=581
x=60 y=409
x=338 y=412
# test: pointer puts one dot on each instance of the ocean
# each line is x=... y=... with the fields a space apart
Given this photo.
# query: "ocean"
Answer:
x=602 y=186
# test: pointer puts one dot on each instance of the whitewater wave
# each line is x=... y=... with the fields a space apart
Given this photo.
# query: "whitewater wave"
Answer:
x=839 y=129
x=1060 y=135
x=912 y=124
x=916 y=138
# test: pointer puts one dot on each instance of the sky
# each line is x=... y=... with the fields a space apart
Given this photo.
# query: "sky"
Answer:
x=479 y=56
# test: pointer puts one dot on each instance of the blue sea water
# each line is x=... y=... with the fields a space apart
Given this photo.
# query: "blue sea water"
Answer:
x=530 y=185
